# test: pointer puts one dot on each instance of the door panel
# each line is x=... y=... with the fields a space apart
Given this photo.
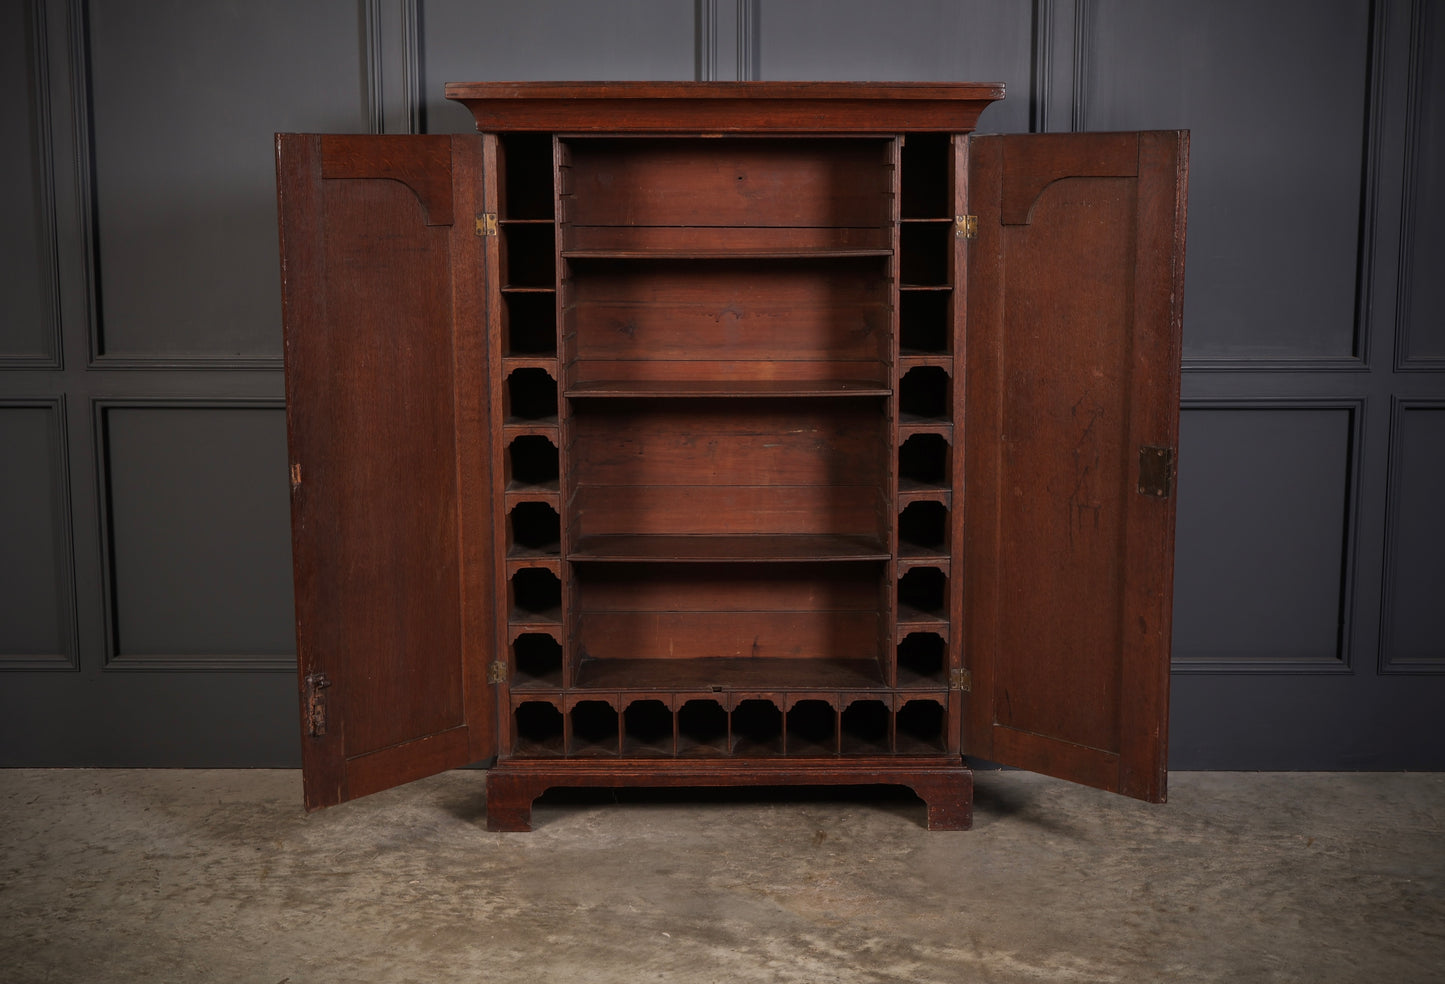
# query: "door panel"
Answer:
x=1075 y=285
x=378 y=260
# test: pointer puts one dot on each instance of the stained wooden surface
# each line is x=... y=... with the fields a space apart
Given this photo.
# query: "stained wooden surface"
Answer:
x=703 y=107
x=1075 y=288
x=727 y=549
x=726 y=720
x=774 y=583
x=694 y=419
x=368 y=255
x=813 y=510
x=743 y=321
x=689 y=381
x=944 y=785
x=735 y=184
x=700 y=674
x=728 y=442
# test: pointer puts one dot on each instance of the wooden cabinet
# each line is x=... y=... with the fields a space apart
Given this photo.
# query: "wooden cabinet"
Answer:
x=741 y=433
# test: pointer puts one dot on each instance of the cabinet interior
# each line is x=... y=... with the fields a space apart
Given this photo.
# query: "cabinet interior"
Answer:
x=727 y=384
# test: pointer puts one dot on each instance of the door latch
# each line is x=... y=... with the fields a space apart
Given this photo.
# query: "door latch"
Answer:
x=314 y=696
x=1156 y=471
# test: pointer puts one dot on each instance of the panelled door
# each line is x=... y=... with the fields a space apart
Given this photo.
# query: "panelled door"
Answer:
x=1074 y=287
x=384 y=307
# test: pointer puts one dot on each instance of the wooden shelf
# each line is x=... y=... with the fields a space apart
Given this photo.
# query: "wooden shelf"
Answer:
x=909 y=680
x=728 y=674
x=912 y=617
x=522 y=617
x=914 y=422
x=603 y=388
x=727 y=548
x=686 y=253
x=912 y=486
x=915 y=555
x=909 y=358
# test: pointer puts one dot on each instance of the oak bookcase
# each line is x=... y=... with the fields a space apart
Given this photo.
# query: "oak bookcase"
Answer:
x=731 y=433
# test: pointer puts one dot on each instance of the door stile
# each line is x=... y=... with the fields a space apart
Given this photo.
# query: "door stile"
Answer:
x=983 y=442
x=1076 y=294
x=1154 y=423
x=488 y=280
x=298 y=192
x=473 y=170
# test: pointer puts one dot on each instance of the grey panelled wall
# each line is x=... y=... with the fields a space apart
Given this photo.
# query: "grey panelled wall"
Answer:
x=960 y=40
x=181 y=94
x=486 y=42
x=25 y=249
x=144 y=578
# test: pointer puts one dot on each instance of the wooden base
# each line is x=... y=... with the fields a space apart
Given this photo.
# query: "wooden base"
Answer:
x=944 y=783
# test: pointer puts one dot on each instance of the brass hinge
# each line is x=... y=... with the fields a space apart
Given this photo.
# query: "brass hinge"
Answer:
x=314 y=696
x=295 y=476
x=961 y=679
x=966 y=226
x=497 y=672
x=487 y=223
x=1156 y=471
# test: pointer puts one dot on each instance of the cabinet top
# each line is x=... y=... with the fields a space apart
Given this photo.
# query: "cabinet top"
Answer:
x=725 y=107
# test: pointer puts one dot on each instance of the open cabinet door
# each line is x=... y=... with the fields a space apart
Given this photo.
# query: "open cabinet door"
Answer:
x=388 y=429
x=1074 y=299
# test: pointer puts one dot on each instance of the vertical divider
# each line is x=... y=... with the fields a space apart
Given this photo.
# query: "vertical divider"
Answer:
x=567 y=737
x=958 y=311
x=674 y=704
x=492 y=184
x=564 y=449
x=784 y=704
x=889 y=627
x=895 y=702
x=835 y=701
x=730 y=703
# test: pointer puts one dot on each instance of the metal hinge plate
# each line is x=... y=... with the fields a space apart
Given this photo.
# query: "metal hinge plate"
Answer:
x=966 y=226
x=961 y=679
x=1156 y=471
x=487 y=224
x=497 y=672
x=296 y=475
x=315 y=699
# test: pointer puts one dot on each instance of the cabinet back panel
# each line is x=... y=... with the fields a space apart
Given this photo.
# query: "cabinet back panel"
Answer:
x=667 y=611
x=826 y=509
x=738 y=310
x=656 y=242
x=734 y=588
x=717 y=182
x=728 y=442
x=857 y=375
x=761 y=635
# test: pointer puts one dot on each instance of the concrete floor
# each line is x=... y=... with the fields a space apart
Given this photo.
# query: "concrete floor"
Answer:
x=158 y=876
